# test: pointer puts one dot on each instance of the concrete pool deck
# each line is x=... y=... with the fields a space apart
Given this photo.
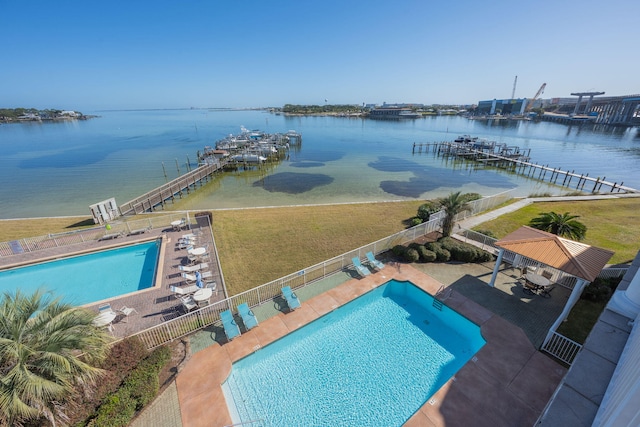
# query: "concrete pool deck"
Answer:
x=508 y=382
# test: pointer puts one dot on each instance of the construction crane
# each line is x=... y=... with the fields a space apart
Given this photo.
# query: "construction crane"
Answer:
x=513 y=92
x=536 y=96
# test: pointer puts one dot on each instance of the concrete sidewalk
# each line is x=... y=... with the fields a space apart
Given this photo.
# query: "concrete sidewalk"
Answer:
x=476 y=220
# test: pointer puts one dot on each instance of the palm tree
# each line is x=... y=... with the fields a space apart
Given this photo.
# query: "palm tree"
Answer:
x=564 y=225
x=46 y=348
x=453 y=204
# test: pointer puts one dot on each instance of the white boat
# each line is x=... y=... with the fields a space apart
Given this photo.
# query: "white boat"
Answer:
x=248 y=158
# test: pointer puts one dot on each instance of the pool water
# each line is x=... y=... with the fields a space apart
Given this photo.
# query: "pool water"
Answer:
x=88 y=278
x=373 y=362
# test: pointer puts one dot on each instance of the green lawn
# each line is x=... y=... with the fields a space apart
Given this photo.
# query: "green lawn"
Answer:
x=611 y=224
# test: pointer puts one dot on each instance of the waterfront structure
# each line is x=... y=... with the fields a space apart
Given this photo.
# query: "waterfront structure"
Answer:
x=502 y=107
x=393 y=113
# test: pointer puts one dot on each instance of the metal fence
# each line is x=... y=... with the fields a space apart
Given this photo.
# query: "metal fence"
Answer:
x=562 y=348
x=32 y=244
x=198 y=319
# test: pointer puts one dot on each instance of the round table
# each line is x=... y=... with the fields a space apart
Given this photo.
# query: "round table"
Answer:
x=202 y=294
x=105 y=318
x=177 y=224
x=537 y=280
x=198 y=251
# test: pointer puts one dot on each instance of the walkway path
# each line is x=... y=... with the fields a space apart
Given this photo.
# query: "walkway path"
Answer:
x=476 y=220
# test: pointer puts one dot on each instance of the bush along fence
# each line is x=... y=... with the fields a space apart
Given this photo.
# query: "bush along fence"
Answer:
x=268 y=292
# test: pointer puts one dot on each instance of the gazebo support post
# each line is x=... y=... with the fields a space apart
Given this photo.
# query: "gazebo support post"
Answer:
x=492 y=282
x=573 y=298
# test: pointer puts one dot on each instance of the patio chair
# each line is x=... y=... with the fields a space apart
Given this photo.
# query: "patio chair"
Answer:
x=546 y=274
x=188 y=303
x=193 y=268
x=126 y=312
x=374 y=262
x=292 y=299
x=105 y=308
x=191 y=278
x=364 y=271
x=248 y=318
x=230 y=326
x=179 y=291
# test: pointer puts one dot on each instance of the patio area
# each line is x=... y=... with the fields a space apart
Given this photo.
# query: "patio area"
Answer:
x=154 y=305
x=503 y=386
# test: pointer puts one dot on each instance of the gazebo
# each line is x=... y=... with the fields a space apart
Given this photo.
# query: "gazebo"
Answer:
x=569 y=258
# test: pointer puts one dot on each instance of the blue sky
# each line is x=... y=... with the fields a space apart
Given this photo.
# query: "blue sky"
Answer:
x=142 y=54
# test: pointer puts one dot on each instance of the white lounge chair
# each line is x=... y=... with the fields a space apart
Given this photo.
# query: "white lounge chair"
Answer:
x=192 y=277
x=126 y=311
x=188 y=302
x=181 y=291
x=193 y=268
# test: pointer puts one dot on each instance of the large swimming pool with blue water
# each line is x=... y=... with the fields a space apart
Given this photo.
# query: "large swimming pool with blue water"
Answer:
x=372 y=362
x=89 y=278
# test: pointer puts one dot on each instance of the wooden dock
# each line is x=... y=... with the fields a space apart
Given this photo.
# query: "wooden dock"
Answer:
x=178 y=187
x=517 y=161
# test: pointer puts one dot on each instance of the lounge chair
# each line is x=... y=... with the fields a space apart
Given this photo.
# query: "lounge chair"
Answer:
x=139 y=231
x=192 y=277
x=126 y=311
x=292 y=299
x=248 y=318
x=193 y=268
x=188 y=303
x=230 y=326
x=180 y=291
x=373 y=262
x=364 y=271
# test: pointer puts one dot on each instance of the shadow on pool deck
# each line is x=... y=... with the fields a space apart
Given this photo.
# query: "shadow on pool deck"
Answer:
x=508 y=383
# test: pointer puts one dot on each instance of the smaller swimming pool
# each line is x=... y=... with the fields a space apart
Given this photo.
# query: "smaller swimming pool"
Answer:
x=89 y=278
x=372 y=362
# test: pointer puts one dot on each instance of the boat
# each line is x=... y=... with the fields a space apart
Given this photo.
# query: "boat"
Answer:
x=248 y=158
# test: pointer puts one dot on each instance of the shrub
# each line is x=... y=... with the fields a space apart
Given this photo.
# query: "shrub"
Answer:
x=600 y=289
x=442 y=255
x=139 y=388
x=116 y=411
x=399 y=250
x=411 y=255
x=464 y=253
x=428 y=256
x=449 y=243
x=427 y=209
x=415 y=221
x=469 y=197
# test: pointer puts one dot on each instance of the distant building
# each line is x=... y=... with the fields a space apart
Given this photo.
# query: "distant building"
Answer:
x=502 y=106
x=69 y=114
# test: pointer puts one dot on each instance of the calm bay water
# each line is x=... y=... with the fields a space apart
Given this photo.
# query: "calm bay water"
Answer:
x=53 y=169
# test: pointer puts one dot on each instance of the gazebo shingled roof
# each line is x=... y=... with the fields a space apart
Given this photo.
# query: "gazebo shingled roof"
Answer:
x=577 y=259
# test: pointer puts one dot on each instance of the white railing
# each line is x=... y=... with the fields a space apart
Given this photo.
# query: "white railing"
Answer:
x=32 y=244
x=562 y=348
x=195 y=320
x=612 y=272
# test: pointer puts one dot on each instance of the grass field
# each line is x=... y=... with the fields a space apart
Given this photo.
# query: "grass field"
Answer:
x=611 y=224
x=260 y=245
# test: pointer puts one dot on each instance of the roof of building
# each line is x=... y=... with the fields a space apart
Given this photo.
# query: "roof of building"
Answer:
x=577 y=259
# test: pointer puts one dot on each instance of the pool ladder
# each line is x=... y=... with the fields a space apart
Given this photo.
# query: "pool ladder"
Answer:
x=440 y=296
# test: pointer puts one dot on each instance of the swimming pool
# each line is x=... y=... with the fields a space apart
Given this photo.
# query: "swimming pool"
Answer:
x=373 y=362
x=89 y=278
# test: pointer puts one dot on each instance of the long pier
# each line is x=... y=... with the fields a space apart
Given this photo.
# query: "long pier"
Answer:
x=178 y=187
x=519 y=162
